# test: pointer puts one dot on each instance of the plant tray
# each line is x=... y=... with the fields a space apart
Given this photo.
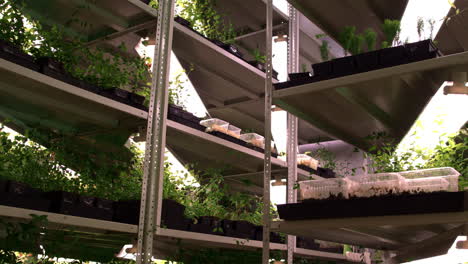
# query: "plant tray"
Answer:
x=10 y=53
x=403 y=204
x=21 y=195
x=367 y=61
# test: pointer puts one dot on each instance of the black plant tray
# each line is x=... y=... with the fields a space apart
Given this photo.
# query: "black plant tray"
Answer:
x=326 y=173
x=17 y=194
x=307 y=243
x=275 y=155
x=244 y=229
x=307 y=168
x=117 y=94
x=172 y=215
x=207 y=225
x=127 y=212
x=367 y=61
x=82 y=206
x=10 y=53
x=15 y=200
x=274 y=237
x=403 y=204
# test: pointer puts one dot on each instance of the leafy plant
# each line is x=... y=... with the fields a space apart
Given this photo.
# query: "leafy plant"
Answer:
x=431 y=23
x=420 y=27
x=205 y=19
x=391 y=30
x=324 y=47
x=346 y=38
x=258 y=56
x=370 y=38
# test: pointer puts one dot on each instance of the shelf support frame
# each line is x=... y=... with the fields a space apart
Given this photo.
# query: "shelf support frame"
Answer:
x=292 y=124
x=152 y=186
x=267 y=159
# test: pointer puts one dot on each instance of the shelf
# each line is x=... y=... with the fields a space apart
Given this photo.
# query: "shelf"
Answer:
x=449 y=38
x=361 y=14
x=241 y=164
x=167 y=240
x=400 y=224
x=116 y=20
x=31 y=100
x=352 y=107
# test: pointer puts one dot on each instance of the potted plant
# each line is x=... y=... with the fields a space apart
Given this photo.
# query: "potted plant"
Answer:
x=259 y=59
x=325 y=67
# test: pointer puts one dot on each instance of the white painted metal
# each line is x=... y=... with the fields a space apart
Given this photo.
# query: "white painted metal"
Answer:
x=291 y=150
x=31 y=80
x=457 y=61
x=151 y=197
x=267 y=160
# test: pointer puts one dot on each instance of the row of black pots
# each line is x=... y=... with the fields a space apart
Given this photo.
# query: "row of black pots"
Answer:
x=21 y=195
x=56 y=70
x=322 y=172
x=364 y=62
x=226 y=46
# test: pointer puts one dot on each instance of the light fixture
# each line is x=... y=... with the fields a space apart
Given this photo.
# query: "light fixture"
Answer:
x=458 y=84
x=281 y=37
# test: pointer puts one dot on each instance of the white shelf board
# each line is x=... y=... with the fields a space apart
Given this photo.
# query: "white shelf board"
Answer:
x=354 y=106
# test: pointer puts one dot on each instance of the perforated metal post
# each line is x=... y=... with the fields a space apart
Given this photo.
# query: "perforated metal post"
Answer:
x=151 y=193
x=267 y=160
x=291 y=150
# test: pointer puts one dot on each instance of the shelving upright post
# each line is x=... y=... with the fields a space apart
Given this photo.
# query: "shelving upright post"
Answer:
x=267 y=160
x=152 y=186
x=292 y=123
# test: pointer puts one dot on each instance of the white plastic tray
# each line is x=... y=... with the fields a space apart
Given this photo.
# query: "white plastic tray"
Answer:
x=447 y=173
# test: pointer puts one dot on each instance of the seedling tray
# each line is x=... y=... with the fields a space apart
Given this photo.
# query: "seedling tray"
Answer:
x=403 y=204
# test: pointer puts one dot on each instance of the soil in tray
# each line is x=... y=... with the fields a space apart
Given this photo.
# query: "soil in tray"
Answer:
x=17 y=194
x=10 y=53
x=401 y=204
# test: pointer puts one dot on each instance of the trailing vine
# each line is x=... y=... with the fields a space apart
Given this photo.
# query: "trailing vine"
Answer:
x=205 y=19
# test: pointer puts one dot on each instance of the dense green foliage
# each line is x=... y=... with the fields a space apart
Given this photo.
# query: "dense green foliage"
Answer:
x=204 y=18
x=104 y=67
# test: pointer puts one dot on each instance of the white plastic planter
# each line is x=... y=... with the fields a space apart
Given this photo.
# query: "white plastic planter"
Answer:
x=254 y=139
x=447 y=173
x=323 y=189
x=306 y=160
x=215 y=124
x=377 y=184
x=234 y=131
x=424 y=185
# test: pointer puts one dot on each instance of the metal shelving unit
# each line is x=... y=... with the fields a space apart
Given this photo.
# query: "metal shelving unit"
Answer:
x=390 y=99
x=352 y=107
x=128 y=21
